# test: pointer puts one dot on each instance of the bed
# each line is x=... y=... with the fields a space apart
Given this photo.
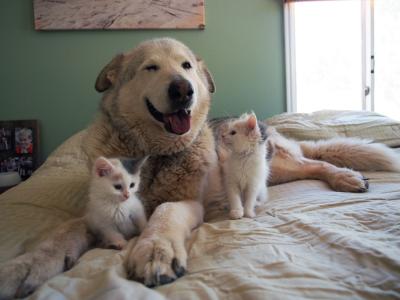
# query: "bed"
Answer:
x=306 y=242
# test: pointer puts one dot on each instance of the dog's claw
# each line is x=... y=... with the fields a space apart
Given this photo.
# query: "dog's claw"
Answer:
x=177 y=268
x=366 y=182
x=68 y=263
x=165 y=279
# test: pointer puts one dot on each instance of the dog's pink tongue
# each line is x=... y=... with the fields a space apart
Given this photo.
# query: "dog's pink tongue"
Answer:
x=179 y=122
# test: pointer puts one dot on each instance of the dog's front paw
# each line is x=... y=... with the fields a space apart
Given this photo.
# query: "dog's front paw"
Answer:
x=347 y=180
x=12 y=277
x=22 y=275
x=156 y=261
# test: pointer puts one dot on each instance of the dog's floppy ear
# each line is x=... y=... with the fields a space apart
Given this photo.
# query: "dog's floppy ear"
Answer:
x=108 y=75
x=207 y=74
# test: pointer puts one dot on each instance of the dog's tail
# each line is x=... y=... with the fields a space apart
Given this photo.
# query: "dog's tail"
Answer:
x=357 y=154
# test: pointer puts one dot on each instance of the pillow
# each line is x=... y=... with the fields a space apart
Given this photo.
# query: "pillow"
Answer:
x=329 y=124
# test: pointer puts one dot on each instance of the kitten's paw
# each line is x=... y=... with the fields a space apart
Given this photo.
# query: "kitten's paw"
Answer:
x=249 y=213
x=117 y=245
x=236 y=214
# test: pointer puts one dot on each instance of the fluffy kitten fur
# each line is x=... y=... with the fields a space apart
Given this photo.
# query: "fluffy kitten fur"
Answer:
x=243 y=158
x=114 y=212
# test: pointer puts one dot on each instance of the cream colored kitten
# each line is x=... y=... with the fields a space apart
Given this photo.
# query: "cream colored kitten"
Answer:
x=114 y=212
x=243 y=157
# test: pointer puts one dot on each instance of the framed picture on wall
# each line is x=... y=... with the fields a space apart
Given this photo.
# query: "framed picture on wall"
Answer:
x=19 y=147
x=122 y=14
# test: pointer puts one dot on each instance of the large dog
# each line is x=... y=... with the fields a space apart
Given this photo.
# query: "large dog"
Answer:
x=156 y=100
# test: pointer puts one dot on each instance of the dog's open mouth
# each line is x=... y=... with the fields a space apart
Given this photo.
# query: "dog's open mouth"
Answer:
x=177 y=122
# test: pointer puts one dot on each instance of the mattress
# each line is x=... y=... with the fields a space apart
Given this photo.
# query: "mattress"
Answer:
x=306 y=242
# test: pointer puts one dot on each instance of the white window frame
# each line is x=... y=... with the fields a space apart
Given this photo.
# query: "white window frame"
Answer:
x=367 y=56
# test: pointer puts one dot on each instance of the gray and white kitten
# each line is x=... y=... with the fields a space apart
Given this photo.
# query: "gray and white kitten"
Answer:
x=114 y=212
x=242 y=155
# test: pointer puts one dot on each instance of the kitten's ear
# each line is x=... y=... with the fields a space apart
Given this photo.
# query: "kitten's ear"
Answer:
x=133 y=165
x=102 y=167
x=252 y=122
x=141 y=162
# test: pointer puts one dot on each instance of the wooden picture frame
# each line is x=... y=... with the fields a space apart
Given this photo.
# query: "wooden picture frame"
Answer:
x=122 y=14
x=19 y=147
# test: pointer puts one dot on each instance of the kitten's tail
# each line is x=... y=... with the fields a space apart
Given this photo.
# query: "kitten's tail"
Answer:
x=357 y=154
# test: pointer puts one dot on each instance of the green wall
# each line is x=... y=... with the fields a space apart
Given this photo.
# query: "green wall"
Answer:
x=50 y=76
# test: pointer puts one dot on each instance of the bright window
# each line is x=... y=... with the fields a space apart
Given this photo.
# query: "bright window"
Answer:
x=387 y=53
x=343 y=55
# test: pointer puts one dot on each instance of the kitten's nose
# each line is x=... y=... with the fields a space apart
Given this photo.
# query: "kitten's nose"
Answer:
x=126 y=195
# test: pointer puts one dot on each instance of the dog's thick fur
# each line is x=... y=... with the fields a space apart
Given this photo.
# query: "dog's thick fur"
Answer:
x=182 y=169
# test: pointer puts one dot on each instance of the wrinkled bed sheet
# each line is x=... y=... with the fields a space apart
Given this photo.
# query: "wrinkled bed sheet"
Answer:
x=306 y=242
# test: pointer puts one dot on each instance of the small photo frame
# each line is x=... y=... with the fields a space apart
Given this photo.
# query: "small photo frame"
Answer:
x=5 y=139
x=19 y=147
x=23 y=140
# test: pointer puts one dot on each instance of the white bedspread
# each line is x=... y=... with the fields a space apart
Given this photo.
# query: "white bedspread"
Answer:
x=307 y=242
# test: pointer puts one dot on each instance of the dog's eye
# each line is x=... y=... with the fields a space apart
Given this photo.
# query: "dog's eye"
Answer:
x=233 y=132
x=186 y=65
x=118 y=187
x=152 y=68
x=132 y=185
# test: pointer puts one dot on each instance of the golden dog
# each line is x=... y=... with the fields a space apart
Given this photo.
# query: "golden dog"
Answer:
x=156 y=100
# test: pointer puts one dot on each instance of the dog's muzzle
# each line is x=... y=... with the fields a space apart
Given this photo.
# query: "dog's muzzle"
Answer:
x=177 y=122
x=180 y=96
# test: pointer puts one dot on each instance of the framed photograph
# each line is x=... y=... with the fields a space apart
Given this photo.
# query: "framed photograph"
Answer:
x=5 y=139
x=19 y=147
x=122 y=14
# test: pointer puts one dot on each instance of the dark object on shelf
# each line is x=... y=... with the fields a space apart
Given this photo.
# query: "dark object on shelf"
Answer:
x=19 y=147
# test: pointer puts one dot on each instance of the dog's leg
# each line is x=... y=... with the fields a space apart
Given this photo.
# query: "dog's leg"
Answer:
x=159 y=256
x=288 y=164
x=22 y=275
x=340 y=179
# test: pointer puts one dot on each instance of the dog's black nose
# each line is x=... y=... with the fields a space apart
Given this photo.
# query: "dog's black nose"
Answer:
x=180 y=92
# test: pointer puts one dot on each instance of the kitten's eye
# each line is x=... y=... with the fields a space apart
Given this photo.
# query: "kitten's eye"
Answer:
x=233 y=132
x=118 y=187
x=152 y=68
x=186 y=65
x=132 y=185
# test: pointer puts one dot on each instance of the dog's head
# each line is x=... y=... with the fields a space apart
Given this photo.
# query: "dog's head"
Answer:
x=159 y=89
